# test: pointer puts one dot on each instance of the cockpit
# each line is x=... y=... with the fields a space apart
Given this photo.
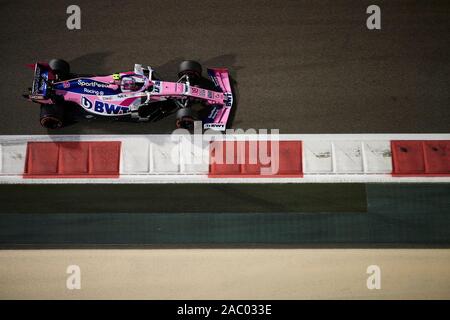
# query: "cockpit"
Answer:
x=132 y=83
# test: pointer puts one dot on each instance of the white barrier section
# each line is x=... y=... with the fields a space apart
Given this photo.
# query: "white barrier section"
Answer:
x=135 y=156
x=12 y=158
x=347 y=157
x=164 y=155
x=377 y=156
x=326 y=158
x=194 y=155
x=317 y=157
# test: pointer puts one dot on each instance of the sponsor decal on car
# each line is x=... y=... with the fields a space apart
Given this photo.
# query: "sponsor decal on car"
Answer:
x=42 y=85
x=216 y=126
x=103 y=107
x=121 y=96
x=157 y=87
x=109 y=108
x=213 y=113
x=91 y=83
x=214 y=79
x=87 y=86
x=228 y=99
x=93 y=91
x=37 y=75
x=86 y=103
x=36 y=97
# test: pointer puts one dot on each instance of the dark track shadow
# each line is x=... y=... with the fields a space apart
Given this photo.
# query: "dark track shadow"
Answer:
x=168 y=70
x=91 y=63
x=225 y=61
x=235 y=92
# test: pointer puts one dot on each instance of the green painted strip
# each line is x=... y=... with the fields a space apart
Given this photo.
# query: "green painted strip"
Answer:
x=185 y=198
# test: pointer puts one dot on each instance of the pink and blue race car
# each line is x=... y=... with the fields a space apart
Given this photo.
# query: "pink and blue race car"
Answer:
x=135 y=95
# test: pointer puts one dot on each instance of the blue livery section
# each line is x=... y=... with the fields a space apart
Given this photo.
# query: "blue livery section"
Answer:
x=212 y=114
x=87 y=86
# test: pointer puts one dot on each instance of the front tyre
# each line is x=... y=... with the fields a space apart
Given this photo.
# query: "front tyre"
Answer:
x=185 y=119
x=191 y=68
x=52 y=116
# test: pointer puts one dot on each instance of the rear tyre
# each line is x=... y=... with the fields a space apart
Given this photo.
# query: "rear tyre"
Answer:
x=191 y=68
x=52 y=116
x=185 y=119
x=60 y=67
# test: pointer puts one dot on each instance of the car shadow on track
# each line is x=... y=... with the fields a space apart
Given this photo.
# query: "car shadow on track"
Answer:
x=92 y=63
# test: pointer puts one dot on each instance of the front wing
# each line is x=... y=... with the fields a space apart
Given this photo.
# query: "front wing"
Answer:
x=218 y=117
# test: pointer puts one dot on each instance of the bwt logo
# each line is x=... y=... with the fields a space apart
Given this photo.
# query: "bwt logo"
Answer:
x=103 y=107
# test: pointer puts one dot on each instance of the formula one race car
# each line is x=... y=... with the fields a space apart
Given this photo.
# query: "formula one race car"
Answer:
x=136 y=95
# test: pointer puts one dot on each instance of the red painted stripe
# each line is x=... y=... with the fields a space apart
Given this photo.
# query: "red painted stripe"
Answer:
x=420 y=158
x=237 y=159
x=73 y=159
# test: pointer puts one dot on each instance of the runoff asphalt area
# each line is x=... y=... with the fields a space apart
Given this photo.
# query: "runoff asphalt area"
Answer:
x=225 y=215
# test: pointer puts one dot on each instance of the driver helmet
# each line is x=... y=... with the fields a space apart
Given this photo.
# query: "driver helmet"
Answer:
x=129 y=84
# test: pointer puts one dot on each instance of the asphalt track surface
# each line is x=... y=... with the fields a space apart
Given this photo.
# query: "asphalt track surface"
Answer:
x=298 y=66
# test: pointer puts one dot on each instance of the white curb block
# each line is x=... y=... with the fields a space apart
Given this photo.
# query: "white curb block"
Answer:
x=175 y=159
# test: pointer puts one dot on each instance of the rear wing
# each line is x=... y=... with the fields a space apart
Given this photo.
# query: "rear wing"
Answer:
x=218 y=117
x=39 y=87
